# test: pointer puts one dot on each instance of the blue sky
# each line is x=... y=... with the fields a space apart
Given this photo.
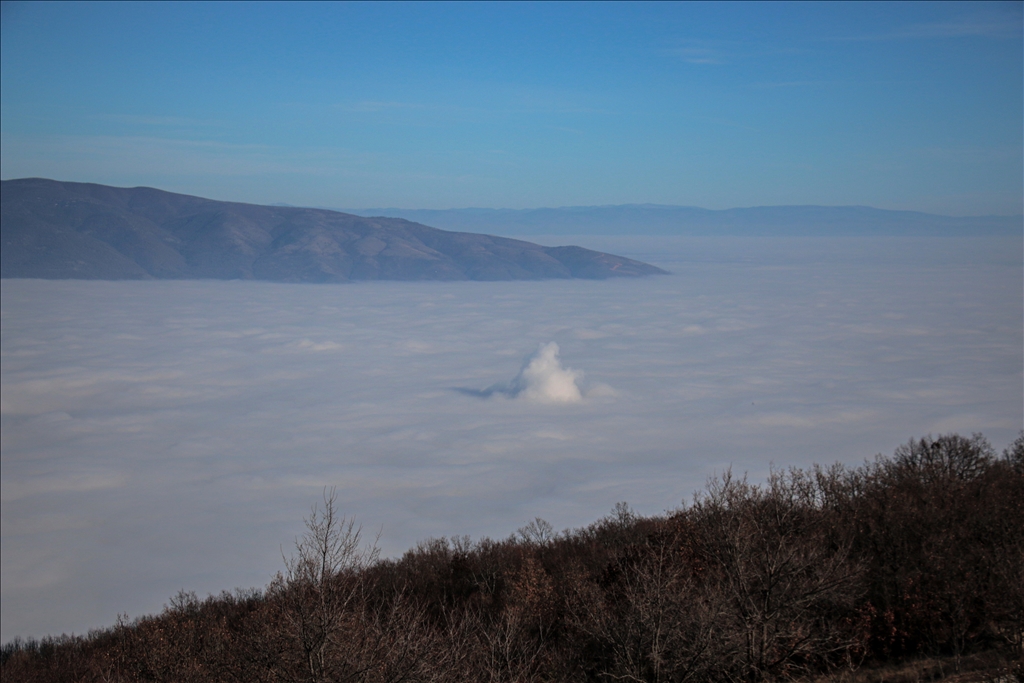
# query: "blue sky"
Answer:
x=908 y=106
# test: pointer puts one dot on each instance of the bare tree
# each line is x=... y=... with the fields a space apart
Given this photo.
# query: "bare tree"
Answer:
x=537 y=532
x=652 y=622
x=784 y=569
x=323 y=581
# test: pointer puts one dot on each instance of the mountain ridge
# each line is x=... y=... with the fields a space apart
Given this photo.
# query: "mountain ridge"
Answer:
x=667 y=219
x=65 y=230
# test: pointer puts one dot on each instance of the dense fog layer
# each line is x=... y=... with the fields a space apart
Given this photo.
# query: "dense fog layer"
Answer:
x=167 y=435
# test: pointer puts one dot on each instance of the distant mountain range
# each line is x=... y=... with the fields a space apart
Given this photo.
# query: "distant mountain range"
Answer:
x=61 y=230
x=655 y=219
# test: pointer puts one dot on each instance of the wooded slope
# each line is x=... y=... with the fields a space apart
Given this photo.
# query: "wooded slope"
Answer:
x=812 y=574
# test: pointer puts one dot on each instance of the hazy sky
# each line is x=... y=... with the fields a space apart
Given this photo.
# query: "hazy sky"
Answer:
x=908 y=105
x=166 y=435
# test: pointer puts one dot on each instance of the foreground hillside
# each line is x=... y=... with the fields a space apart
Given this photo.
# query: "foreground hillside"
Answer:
x=58 y=230
x=908 y=568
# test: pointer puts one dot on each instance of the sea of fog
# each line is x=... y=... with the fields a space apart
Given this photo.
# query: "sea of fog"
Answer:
x=159 y=436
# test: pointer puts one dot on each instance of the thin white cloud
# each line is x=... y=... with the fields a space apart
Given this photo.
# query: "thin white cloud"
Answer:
x=791 y=84
x=964 y=28
x=378 y=106
x=61 y=483
x=68 y=157
x=156 y=121
x=701 y=55
x=310 y=345
x=1005 y=26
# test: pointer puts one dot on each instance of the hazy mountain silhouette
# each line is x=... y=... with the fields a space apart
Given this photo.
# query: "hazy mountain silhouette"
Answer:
x=658 y=219
x=59 y=230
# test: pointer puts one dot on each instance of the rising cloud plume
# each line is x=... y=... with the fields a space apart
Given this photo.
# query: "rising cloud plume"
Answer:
x=542 y=378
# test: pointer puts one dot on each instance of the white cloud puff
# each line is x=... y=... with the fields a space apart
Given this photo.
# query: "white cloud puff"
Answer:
x=542 y=378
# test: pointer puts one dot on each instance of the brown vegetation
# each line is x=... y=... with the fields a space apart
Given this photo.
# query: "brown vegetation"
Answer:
x=908 y=568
